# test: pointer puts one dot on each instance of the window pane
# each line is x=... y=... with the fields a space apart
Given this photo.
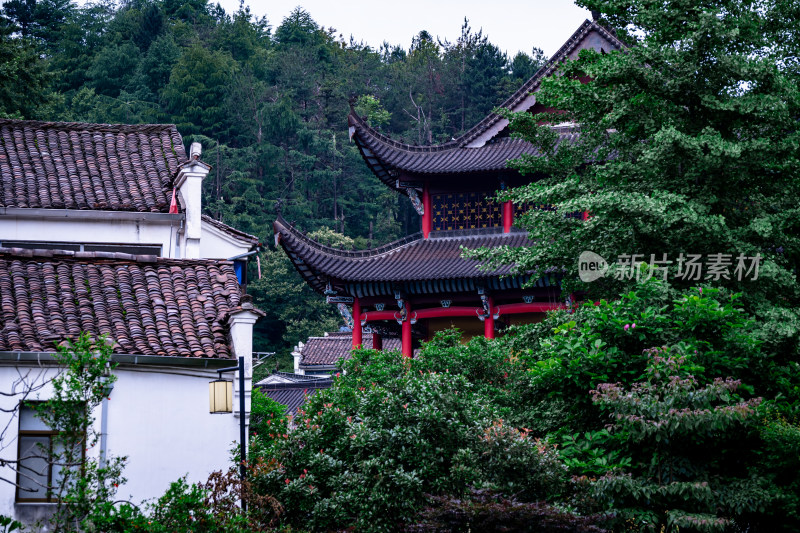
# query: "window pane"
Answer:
x=42 y=245
x=28 y=421
x=62 y=465
x=133 y=249
x=33 y=466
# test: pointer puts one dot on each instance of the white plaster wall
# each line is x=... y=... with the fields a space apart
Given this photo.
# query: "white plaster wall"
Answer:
x=75 y=230
x=9 y=423
x=162 y=424
x=157 y=417
x=215 y=244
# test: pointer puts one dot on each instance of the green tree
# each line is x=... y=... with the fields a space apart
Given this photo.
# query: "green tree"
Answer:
x=154 y=69
x=479 y=69
x=40 y=20
x=687 y=474
x=113 y=68
x=83 y=484
x=694 y=148
x=299 y=28
x=24 y=84
x=196 y=90
x=370 y=107
x=385 y=436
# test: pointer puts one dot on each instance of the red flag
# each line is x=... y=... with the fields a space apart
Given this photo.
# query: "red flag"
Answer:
x=173 y=204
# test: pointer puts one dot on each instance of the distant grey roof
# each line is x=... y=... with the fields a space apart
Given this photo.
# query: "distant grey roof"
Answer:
x=287 y=377
x=328 y=350
x=294 y=395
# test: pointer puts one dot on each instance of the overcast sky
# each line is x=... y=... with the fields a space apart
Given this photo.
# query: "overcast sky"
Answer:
x=512 y=25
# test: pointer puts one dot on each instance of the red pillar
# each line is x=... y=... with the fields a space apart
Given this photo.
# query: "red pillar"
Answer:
x=377 y=341
x=426 y=216
x=508 y=216
x=357 y=337
x=488 y=323
x=406 y=334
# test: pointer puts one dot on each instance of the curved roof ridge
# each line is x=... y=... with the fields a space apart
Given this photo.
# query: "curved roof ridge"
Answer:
x=547 y=69
x=353 y=119
x=520 y=94
x=370 y=252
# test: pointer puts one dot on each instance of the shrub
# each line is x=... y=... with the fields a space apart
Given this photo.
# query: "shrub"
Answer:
x=268 y=422
x=571 y=353
x=365 y=453
x=691 y=448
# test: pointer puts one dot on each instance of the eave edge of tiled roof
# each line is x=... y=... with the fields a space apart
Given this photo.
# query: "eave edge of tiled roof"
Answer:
x=69 y=255
x=281 y=226
x=238 y=234
x=89 y=126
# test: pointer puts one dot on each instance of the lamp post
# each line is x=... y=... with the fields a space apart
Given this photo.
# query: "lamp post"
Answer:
x=221 y=402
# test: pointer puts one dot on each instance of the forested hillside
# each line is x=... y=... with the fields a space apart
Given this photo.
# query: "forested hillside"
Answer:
x=268 y=100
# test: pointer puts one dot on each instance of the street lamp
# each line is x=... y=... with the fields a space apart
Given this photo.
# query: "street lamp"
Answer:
x=221 y=401
x=220 y=396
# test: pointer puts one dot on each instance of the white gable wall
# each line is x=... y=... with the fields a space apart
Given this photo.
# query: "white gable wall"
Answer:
x=216 y=244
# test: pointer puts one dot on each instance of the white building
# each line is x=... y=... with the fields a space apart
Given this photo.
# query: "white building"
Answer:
x=88 y=242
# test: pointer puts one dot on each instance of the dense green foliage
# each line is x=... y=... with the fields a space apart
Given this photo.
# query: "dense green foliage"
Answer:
x=268 y=102
x=658 y=410
x=657 y=407
x=688 y=145
x=366 y=452
x=693 y=142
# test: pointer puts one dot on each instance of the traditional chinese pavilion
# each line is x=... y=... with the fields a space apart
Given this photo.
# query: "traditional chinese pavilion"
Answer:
x=422 y=284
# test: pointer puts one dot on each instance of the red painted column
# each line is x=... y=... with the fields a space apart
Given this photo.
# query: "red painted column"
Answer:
x=377 y=342
x=427 y=215
x=357 y=337
x=407 y=349
x=488 y=323
x=508 y=216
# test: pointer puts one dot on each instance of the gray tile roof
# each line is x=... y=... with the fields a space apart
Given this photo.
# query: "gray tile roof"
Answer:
x=146 y=305
x=65 y=165
x=327 y=351
x=294 y=395
x=233 y=232
x=412 y=259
